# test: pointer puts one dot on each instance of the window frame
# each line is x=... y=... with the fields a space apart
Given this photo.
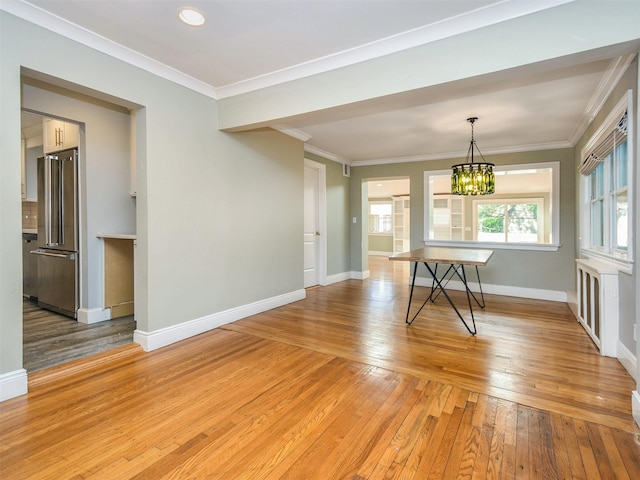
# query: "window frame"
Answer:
x=554 y=209
x=621 y=258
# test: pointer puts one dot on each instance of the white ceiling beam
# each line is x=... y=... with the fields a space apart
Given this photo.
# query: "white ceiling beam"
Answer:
x=549 y=35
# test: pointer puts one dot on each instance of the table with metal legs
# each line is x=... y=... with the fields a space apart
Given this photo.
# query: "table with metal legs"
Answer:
x=454 y=260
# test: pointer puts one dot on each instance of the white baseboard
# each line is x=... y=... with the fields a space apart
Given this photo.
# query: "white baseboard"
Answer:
x=627 y=359
x=360 y=275
x=338 y=277
x=13 y=384
x=93 y=315
x=166 y=336
x=635 y=406
x=506 y=290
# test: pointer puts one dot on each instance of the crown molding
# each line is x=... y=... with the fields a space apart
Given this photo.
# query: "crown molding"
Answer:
x=54 y=23
x=324 y=154
x=481 y=17
x=292 y=132
x=461 y=154
x=617 y=67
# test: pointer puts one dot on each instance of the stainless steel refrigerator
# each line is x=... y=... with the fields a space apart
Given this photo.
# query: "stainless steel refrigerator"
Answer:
x=57 y=253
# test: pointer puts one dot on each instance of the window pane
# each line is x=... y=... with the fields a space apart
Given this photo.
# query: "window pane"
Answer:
x=380 y=209
x=620 y=231
x=380 y=217
x=491 y=221
x=597 y=216
x=621 y=165
x=597 y=182
x=523 y=223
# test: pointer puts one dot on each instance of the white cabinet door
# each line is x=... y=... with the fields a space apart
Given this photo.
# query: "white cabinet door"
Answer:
x=59 y=135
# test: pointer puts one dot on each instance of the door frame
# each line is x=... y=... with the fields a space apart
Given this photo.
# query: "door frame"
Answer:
x=321 y=202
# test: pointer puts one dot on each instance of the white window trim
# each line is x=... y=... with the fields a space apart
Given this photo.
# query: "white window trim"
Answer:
x=622 y=264
x=554 y=209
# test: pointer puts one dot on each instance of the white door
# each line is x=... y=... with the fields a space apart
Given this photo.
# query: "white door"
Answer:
x=311 y=226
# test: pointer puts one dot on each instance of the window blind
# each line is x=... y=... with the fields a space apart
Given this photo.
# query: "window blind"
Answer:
x=596 y=156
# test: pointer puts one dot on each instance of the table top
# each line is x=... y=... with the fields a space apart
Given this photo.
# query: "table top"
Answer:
x=448 y=255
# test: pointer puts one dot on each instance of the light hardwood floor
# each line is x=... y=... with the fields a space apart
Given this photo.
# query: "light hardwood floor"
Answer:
x=337 y=387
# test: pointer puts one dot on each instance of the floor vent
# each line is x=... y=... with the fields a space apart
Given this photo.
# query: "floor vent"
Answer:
x=598 y=303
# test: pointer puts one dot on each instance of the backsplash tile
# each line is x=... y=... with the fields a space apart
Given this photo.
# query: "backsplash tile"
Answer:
x=29 y=215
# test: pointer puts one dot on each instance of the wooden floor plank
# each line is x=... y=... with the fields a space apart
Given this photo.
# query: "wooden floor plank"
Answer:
x=629 y=449
x=336 y=386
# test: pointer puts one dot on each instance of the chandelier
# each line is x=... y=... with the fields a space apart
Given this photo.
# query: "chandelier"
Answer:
x=471 y=178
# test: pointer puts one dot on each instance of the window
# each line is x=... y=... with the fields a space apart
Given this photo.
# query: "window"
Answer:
x=522 y=214
x=380 y=217
x=606 y=211
x=510 y=221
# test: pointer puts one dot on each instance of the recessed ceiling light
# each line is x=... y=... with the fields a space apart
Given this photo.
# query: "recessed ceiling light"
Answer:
x=191 y=16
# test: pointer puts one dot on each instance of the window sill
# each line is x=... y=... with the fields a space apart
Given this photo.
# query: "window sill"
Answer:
x=618 y=264
x=549 y=247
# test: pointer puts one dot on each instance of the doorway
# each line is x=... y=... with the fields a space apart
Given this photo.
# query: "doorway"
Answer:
x=388 y=223
x=104 y=190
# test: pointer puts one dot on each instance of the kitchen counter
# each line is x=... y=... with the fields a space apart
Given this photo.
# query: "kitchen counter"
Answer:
x=117 y=236
x=33 y=231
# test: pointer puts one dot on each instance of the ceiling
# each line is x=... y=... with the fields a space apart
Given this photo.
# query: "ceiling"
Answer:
x=248 y=44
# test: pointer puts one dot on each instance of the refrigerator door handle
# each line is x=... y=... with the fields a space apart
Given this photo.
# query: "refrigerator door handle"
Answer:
x=50 y=254
x=47 y=199
x=61 y=203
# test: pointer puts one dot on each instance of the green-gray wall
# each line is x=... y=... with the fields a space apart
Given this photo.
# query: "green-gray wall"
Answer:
x=516 y=268
x=380 y=244
x=213 y=233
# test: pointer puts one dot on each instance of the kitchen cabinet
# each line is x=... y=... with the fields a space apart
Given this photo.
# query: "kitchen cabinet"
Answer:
x=59 y=135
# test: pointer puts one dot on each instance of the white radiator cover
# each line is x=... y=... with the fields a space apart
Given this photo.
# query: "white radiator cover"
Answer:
x=598 y=310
